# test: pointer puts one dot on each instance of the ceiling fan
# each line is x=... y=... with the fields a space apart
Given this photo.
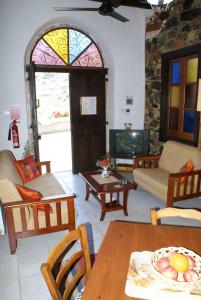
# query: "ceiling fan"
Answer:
x=107 y=7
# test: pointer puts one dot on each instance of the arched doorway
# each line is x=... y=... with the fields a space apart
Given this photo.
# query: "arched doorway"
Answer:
x=75 y=56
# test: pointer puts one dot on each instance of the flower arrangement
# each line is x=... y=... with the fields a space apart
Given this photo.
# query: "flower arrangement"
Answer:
x=106 y=163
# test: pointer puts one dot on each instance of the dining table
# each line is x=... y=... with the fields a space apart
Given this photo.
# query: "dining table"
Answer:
x=109 y=273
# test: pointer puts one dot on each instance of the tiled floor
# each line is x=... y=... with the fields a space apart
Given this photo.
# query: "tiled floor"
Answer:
x=20 y=277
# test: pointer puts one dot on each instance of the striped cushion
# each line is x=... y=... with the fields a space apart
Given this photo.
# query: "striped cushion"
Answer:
x=79 y=295
x=78 y=290
x=27 y=168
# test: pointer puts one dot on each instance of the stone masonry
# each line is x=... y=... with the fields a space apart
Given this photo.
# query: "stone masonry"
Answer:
x=175 y=33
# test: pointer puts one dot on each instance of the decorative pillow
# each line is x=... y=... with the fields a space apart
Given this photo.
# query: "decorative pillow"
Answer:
x=188 y=167
x=27 y=168
x=33 y=195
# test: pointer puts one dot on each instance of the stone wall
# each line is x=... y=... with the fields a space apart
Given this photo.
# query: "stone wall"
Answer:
x=181 y=29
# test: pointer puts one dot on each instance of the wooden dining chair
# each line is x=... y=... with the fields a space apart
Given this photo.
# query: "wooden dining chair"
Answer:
x=174 y=212
x=63 y=275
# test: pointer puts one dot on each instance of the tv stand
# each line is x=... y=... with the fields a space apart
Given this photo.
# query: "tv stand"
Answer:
x=124 y=167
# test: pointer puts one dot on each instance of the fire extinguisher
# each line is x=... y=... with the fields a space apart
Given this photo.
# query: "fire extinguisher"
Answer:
x=13 y=130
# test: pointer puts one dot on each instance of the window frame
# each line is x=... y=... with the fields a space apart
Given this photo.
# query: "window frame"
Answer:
x=166 y=59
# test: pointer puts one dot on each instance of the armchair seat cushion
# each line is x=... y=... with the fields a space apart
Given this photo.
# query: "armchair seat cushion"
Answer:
x=46 y=184
x=153 y=180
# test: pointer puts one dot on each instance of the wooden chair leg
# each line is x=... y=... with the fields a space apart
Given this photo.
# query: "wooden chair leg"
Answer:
x=13 y=244
x=11 y=230
x=169 y=202
x=135 y=185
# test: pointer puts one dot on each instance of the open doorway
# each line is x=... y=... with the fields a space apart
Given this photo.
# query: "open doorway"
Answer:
x=53 y=116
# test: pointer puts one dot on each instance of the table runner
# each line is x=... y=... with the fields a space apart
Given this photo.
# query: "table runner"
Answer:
x=102 y=180
x=142 y=281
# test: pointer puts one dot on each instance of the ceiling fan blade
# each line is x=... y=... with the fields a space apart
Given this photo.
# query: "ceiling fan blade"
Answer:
x=117 y=16
x=75 y=8
x=131 y=3
x=136 y=3
x=114 y=3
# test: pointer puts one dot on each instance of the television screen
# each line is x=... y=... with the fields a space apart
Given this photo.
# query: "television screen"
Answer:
x=128 y=143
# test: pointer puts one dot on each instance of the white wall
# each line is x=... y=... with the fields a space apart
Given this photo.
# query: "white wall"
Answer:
x=122 y=46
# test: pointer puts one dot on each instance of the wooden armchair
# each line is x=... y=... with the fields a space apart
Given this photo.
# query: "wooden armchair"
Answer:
x=22 y=216
x=62 y=275
x=161 y=175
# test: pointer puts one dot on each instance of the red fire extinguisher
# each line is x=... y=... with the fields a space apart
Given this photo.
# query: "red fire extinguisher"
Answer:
x=13 y=130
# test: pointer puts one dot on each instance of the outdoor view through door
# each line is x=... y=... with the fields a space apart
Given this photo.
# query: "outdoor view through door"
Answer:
x=67 y=86
x=53 y=111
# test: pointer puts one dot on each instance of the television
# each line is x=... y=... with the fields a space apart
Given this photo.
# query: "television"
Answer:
x=128 y=143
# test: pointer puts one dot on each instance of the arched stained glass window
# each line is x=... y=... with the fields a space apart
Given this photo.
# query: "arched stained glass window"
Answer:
x=66 y=47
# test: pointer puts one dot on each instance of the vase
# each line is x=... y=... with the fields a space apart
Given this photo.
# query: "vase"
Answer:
x=105 y=173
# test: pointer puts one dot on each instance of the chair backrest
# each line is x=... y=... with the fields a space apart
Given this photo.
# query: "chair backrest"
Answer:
x=7 y=168
x=175 y=155
x=57 y=268
x=174 y=212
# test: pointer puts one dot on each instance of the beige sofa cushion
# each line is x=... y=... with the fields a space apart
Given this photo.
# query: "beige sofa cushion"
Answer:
x=46 y=184
x=175 y=155
x=7 y=168
x=153 y=180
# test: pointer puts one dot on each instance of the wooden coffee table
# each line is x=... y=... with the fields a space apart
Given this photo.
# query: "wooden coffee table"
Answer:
x=99 y=187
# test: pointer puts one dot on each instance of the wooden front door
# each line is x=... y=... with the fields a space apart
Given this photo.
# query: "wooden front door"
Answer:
x=88 y=123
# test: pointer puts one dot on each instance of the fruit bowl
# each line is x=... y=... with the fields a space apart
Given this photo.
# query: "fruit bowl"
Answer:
x=160 y=260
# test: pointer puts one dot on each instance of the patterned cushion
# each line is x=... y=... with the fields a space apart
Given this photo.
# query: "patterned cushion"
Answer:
x=27 y=168
x=33 y=195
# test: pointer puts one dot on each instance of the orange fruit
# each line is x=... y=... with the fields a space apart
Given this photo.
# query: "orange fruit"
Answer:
x=179 y=262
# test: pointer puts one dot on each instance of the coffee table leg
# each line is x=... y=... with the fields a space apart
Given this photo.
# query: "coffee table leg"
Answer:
x=87 y=192
x=125 y=197
x=103 y=207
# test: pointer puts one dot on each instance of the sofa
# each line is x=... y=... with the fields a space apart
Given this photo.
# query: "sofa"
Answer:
x=23 y=218
x=161 y=174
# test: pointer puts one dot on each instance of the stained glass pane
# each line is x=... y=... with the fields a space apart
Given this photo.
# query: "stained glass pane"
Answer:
x=190 y=96
x=189 y=117
x=192 y=69
x=174 y=119
x=175 y=96
x=77 y=43
x=58 y=41
x=44 y=55
x=90 y=58
x=66 y=46
x=176 y=73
